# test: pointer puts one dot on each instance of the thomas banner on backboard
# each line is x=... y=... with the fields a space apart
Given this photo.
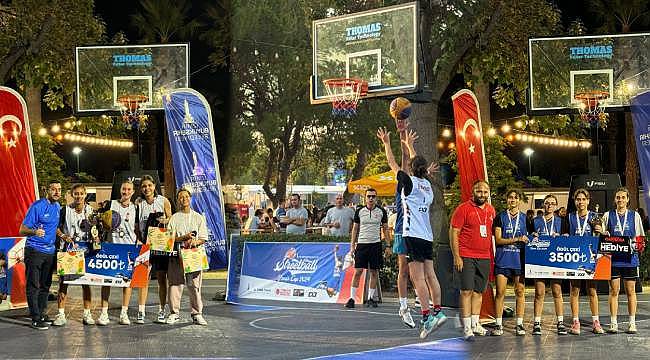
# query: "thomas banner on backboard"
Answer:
x=194 y=154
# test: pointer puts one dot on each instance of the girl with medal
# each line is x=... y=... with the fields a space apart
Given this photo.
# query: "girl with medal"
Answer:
x=623 y=222
x=510 y=236
x=124 y=234
x=581 y=223
x=74 y=224
x=155 y=211
x=548 y=224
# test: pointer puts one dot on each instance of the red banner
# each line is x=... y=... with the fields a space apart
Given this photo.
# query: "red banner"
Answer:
x=469 y=142
x=18 y=187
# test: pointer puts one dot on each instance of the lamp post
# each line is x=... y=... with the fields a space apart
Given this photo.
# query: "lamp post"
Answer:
x=76 y=151
x=529 y=152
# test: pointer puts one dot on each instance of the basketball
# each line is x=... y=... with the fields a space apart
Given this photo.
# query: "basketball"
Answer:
x=400 y=108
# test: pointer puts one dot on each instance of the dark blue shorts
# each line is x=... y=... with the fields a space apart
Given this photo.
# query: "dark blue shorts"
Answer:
x=509 y=273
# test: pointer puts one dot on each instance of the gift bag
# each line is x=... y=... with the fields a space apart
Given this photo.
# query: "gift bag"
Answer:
x=194 y=259
x=160 y=239
x=70 y=263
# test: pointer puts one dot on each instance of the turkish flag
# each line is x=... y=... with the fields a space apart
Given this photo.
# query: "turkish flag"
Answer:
x=469 y=142
x=18 y=187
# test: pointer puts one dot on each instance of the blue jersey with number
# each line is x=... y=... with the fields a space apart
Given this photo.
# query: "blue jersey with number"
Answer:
x=550 y=227
x=509 y=256
x=614 y=224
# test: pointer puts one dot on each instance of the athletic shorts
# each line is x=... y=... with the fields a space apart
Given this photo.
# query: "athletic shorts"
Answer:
x=159 y=263
x=509 y=273
x=399 y=245
x=474 y=275
x=630 y=273
x=418 y=250
x=368 y=256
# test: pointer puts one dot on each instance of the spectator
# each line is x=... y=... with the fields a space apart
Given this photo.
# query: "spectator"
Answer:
x=297 y=216
x=338 y=219
x=269 y=219
x=256 y=223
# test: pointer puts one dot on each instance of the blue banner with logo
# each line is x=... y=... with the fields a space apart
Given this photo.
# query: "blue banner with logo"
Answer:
x=562 y=257
x=640 y=106
x=194 y=154
x=309 y=272
x=113 y=265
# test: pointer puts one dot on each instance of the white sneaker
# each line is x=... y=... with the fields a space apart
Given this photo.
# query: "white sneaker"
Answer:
x=468 y=334
x=59 y=320
x=161 y=317
x=199 y=320
x=88 y=319
x=631 y=329
x=124 y=319
x=140 y=318
x=479 y=330
x=103 y=319
x=407 y=319
x=173 y=319
x=613 y=328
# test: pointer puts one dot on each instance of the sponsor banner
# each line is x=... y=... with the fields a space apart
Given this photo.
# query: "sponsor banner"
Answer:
x=566 y=257
x=118 y=265
x=640 y=108
x=618 y=246
x=194 y=155
x=307 y=272
x=12 y=274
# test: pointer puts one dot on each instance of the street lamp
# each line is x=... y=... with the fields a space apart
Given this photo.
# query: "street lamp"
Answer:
x=529 y=152
x=76 y=151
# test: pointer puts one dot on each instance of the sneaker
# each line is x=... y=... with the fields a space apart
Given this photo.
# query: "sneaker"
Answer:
x=498 y=331
x=40 y=325
x=613 y=328
x=631 y=329
x=173 y=319
x=468 y=334
x=46 y=319
x=140 y=318
x=124 y=319
x=161 y=317
x=88 y=319
x=442 y=318
x=597 y=329
x=575 y=328
x=407 y=319
x=59 y=320
x=427 y=326
x=372 y=302
x=103 y=319
x=561 y=329
x=199 y=320
x=479 y=330
x=417 y=302
x=520 y=331
x=537 y=328
x=350 y=304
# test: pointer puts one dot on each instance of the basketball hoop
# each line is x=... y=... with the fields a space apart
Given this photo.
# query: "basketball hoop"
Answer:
x=132 y=109
x=591 y=107
x=345 y=95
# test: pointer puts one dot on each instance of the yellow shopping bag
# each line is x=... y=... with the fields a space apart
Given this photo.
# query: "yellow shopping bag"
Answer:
x=194 y=259
x=70 y=263
x=160 y=239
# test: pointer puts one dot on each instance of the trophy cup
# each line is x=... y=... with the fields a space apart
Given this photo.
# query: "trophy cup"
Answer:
x=596 y=222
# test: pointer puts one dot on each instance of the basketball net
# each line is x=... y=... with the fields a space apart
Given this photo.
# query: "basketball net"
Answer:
x=591 y=107
x=132 y=110
x=345 y=95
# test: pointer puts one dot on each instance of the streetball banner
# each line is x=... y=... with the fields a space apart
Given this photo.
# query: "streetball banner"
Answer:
x=640 y=107
x=12 y=274
x=566 y=257
x=117 y=265
x=305 y=272
x=194 y=154
x=18 y=186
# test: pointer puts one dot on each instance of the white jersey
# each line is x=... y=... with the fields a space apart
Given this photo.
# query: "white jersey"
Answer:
x=145 y=209
x=125 y=233
x=416 y=200
x=74 y=223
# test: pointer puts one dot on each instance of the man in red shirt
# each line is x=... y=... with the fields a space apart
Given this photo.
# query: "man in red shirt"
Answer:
x=470 y=232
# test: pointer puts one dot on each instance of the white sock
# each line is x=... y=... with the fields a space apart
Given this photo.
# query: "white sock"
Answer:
x=575 y=318
x=538 y=319
x=353 y=292
x=520 y=321
x=125 y=310
x=105 y=310
x=403 y=303
x=141 y=308
x=595 y=318
x=467 y=323
x=474 y=320
x=499 y=321
x=62 y=312
x=632 y=319
x=371 y=293
x=613 y=320
x=560 y=318
x=160 y=308
x=86 y=312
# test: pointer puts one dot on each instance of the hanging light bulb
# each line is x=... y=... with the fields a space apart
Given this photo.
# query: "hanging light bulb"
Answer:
x=446 y=133
x=506 y=128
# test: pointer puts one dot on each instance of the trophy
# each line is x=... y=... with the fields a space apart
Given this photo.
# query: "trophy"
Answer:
x=596 y=221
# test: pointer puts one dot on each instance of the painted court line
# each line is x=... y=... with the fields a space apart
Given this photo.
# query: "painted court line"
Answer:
x=453 y=349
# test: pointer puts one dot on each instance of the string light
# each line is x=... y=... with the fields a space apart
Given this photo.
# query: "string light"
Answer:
x=506 y=128
x=519 y=124
x=95 y=140
x=550 y=140
x=42 y=131
x=491 y=132
x=56 y=128
x=446 y=133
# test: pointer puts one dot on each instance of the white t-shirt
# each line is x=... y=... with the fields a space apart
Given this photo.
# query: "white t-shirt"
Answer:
x=145 y=209
x=416 y=198
x=344 y=216
x=182 y=223
x=125 y=233
x=73 y=221
x=300 y=212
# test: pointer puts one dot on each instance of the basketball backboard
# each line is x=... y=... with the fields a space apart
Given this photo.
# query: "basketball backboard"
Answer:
x=563 y=68
x=379 y=46
x=104 y=73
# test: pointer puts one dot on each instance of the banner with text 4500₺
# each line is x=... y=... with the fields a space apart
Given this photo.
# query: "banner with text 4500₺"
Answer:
x=566 y=257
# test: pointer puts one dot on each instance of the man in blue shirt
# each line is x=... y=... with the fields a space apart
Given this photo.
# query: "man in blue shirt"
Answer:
x=40 y=226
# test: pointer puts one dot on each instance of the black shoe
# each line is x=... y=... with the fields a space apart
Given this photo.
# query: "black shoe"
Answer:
x=371 y=302
x=40 y=325
x=561 y=329
x=537 y=329
x=350 y=304
x=46 y=319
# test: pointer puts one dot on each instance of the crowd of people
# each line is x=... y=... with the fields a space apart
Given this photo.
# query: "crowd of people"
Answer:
x=50 y=228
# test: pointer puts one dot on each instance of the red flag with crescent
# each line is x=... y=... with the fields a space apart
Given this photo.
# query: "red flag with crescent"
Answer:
x=18 y=187
x=469 y=142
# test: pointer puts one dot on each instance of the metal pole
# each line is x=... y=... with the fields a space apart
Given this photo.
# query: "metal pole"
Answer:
x=530 y=168
x=77 y=164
